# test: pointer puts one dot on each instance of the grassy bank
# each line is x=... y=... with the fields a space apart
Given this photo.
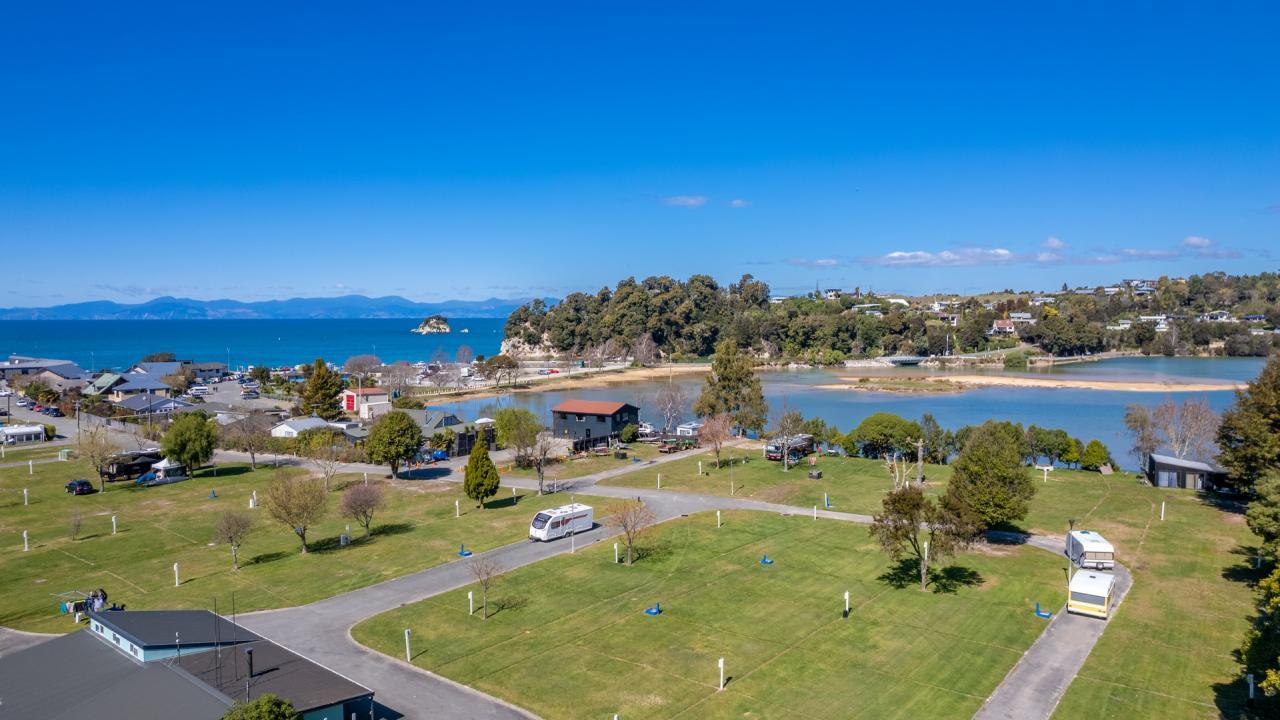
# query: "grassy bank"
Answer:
x=567 y=638
x=163 y=525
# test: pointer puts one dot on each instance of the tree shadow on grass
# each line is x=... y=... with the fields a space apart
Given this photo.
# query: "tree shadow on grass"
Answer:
x=426 y=473
x=945 y=580
x=1244 y=571
x=399 y=528
x=1234 y=504
x=655 y=550
x=213 y=473
x=267 y=557
x=507 y=603
x=1232 y=701
x=508 y=501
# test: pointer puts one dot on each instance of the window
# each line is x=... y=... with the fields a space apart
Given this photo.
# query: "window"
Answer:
x=580 y=418
x=599 y=418
x=555 y=524
x=540 y=520
x=1087 y=598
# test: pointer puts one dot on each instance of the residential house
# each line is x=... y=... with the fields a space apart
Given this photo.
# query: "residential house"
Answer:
x=150 y=665
x=1043 y=300
x=1002 y=327
x=293 y=427
x=61 y=378
x=833 y=294
x=21 y=365
x=466 y=434
x=151 y=404
x=157 y=369
x=208 y=370
x=1215 y=316
x=588 y=423
x=115 y=387
x=951 y=319
x=1022 y=318
x=1255 y=318
x=1172 y=472
x=358 y=400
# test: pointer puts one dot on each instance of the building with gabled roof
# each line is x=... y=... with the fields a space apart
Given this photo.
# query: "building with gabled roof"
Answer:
x=588 y=423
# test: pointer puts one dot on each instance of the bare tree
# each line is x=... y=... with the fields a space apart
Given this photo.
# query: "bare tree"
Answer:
x=899 y=469
x=632 y=518
x=671 y=400
x=541 y=454
x=787 y=425
x=644 y=350
x=715 y=431
x=95 y=447
x=297 y=503
x=361 y=365
x=73 y=524
x=249 y=434
x=360 y=502
x=320 y=448
x=486 y=571
x=464 y=355
x=444 y=377
x=397 y=375
x=1189 y=428
x=232 y=528
x=1145 y=440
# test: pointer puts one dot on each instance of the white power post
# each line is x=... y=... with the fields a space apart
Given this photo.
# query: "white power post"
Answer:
x=176 y=582
x=471 y=603
x=31 y=467
x=573 y=544
x=25 y=500
x=815 y=512
x=846 y=603
x=699 y=468
x=408 y=656
x=717 y=518
x=366 y=478
x=721 y=663
x=659 y=481
x=25 y=546
x=457 y=509
x=615 y=553
x=1161 y=511
x=113 y=524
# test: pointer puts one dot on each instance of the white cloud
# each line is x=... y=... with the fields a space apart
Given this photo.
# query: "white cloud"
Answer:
x=1195 y=241
x=817 y=263
x=1048 y=257
x=954 y=258
x=1145 y=254
x=1052 y=243
x=739 y=203
x=686 y=201
x=339 y=286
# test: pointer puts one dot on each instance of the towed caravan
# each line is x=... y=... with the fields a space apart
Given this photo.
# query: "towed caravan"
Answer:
x=1090 y=593
x=1090 y=550
x=560 y=521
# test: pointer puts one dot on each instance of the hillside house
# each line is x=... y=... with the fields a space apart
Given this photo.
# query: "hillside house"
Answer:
x=1002 y=327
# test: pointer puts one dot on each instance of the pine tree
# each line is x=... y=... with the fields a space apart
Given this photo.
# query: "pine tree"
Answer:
x=733 y=388
x=481 y=480
x=320 y=392
x=988 y=476
x=1249 y=436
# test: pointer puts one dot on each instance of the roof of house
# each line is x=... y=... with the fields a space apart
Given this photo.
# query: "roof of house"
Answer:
x=144 y=402
x=78 y=676
x=302 y=423
x=591 y=407
x=69 y=371
x=275 y=670
x=156 y=628
x=433 y=421
x=24 y=362
x=21 y=429
x=1186 y=464
x=156 y=368
x=101 y=384
x=367 y=391
x=140 y=382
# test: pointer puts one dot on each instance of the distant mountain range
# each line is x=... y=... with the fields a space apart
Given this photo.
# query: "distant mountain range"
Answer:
x=346 y=307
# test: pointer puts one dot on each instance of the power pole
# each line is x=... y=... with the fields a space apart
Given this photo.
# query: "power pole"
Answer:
x=920 y=461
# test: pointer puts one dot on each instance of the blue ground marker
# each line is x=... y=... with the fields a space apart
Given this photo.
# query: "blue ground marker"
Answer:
x=1042 y=614
x=213 y=494
x=654 y=611
x=463 y=551
x=765 y=560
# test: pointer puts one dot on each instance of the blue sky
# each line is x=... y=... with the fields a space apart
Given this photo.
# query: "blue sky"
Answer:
x=468 y=150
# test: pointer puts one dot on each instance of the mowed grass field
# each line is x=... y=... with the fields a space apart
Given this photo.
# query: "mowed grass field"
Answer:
x=568 y=638
x=173 y=523
x=586 y=465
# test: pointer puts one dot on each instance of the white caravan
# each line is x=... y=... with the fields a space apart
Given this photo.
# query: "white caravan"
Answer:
x=1088 y=549
x=560 y=521
x=1090 y=593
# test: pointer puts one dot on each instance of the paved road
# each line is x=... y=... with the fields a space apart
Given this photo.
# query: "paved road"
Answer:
x=11 y=641
x=1036 y=684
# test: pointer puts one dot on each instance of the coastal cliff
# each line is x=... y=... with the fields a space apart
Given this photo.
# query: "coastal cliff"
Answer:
x=433 y=325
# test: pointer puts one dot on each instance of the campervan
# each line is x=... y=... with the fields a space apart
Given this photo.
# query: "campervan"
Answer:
x=560 y=521
x=1090 y=593
x=200 y=391
x=797 y=447
x=1088 y=549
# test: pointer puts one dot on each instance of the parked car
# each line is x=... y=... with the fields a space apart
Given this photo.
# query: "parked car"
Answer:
x=23 y=402
x=80 y=487
x=37 y=408
x=53 y=412
x=5 y=392
x=250 y=395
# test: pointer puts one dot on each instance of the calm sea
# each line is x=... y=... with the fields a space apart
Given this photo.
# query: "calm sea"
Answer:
x=99 y=344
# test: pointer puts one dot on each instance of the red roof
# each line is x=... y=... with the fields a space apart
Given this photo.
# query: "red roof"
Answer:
x=589 y=407
x=367 y=391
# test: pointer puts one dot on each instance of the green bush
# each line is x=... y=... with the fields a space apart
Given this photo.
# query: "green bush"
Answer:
x=1015 y=361
x=629 y=433
x=50 y=432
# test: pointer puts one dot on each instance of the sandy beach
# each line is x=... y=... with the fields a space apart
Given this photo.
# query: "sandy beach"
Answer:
x=959 y=382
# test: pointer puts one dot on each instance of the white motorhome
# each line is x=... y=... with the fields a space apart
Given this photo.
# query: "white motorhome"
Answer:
x=560 y=521
x=1088 y=549
x=1090 y=593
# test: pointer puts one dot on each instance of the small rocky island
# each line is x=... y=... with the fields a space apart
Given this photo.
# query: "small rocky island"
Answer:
x=433 y=325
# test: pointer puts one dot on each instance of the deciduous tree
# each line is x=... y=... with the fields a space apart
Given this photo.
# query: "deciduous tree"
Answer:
x=190 y=440
x=263 y=707
x=486 y=572
x=95 y=447
x=322 y=447
x=297 y=503
x=232 y=528
x=716 y=429
x=360 y=502
x=1095 y=456
x=632 y=518
x=670 y=401
x=517 y=429
x=882 y=433
x=910 y=521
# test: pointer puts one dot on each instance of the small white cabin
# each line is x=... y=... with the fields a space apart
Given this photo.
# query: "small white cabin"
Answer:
x=689 y=429
x=560 y=521
x=1090 y=593
x=1088 y=549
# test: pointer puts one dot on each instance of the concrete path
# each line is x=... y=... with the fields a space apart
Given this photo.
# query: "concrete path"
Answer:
x=11 y=641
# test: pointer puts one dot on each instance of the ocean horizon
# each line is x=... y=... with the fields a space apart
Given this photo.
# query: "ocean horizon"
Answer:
x=118 y=344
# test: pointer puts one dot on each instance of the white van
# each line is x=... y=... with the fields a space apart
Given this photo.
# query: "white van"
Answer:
x=1088 y=549
x=199 y=391
x=1090 y=593
x=560 y=521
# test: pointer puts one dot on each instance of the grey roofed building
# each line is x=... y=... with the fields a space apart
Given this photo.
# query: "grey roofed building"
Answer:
x=150 y=629
x=18 y=365
x=277 y=671
x=78 y=676
x=434 y=421
x=136 y=383
x=150 y=403
x=1169 y=471
x=159 y=369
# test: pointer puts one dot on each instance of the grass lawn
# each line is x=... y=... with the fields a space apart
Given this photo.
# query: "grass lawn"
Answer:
x=173 y=523
x=567 y=638
x=36 y=452
x=586 y=464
